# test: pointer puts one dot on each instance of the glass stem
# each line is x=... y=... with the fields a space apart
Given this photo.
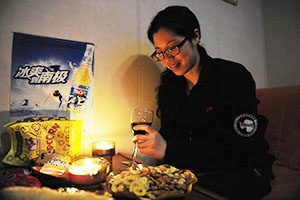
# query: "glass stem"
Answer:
x=133 y=154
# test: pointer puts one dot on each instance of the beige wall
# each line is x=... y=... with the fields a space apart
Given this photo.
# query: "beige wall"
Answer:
x=282 y=37
x=124 y=73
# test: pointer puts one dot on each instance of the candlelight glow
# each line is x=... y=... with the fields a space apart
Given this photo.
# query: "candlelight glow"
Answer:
x=104 y=145
x=85 y=166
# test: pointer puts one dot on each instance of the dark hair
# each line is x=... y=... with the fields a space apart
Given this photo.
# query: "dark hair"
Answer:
x=182 y=21
x=176 y=18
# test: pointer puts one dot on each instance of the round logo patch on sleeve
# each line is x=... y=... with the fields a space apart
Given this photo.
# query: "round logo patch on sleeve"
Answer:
x=245 y=124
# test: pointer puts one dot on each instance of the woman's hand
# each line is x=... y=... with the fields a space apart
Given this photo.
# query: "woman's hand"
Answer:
x=152 y=144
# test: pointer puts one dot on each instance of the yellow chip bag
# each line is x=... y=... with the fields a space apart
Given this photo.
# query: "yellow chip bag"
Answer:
x=32 y=136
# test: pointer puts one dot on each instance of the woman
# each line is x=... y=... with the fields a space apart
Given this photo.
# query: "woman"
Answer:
x=208 y=110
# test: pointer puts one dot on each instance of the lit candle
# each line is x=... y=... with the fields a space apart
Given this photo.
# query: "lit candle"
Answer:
x=104 y=149
x=88 y=166
x=104 y=145
x=88 y=171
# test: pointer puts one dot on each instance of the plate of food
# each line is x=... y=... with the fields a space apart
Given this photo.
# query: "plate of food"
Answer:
x=150 y=182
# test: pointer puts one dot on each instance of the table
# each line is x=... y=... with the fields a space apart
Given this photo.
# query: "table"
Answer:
x=198 y=193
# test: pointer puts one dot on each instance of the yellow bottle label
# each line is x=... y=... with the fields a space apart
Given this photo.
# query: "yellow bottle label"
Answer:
x=82 y=75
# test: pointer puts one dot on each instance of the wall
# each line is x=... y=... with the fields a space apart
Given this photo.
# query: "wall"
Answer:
x=125 y=76
x=282 y=37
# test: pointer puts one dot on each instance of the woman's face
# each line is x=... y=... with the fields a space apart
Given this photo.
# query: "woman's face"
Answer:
x=188 y=57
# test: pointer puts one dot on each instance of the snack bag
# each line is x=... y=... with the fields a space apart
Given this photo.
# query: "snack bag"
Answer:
x=53 y=164
x=36 y=135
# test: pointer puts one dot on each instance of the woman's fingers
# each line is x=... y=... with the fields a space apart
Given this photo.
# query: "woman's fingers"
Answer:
x=152 y=143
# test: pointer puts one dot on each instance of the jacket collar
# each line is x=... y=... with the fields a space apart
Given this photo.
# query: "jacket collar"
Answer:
x=208 y=66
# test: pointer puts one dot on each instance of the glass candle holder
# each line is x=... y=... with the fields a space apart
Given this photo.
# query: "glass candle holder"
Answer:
x=104 y=148
x=88 y=170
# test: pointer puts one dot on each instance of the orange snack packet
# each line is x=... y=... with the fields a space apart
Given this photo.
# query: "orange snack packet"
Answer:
x=53 y=164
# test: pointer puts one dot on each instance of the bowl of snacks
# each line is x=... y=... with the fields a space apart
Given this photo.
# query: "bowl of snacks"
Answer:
x=150 y=182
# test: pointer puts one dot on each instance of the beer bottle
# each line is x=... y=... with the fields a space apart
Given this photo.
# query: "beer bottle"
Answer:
x=77 y=101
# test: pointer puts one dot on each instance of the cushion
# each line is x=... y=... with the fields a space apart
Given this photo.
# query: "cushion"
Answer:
x=281 y=105
x=286 y=185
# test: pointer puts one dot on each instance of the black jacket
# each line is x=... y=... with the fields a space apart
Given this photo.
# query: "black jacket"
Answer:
x=216 y=126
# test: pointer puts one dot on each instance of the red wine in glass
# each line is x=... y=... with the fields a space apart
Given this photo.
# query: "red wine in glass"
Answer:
x=139 y=116
x=141 y=132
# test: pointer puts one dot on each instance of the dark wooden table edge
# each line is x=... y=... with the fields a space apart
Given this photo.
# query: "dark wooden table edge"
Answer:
x=208 y=193
x=129 y=157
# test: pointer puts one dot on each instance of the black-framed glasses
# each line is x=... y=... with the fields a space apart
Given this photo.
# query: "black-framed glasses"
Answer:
x=170 y=52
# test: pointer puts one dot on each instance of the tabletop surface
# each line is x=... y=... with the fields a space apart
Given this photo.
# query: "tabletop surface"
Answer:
x=197 y=193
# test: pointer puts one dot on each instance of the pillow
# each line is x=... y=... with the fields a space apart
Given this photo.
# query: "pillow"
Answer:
x=281 y=105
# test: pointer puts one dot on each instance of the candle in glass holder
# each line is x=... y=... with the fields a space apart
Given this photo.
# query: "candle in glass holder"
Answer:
x=87 y=171
x=104 y=148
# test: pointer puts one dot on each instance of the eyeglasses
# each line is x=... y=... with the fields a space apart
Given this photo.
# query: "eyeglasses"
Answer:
x=171 y=52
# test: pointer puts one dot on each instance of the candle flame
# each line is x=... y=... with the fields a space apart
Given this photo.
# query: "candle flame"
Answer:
x=84 y=167
x=104 y=145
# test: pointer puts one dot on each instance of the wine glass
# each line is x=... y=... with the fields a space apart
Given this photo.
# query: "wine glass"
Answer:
x=139 y=116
